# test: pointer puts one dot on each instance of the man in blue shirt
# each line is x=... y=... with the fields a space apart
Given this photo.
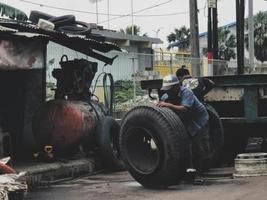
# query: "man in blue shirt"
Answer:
x=194 y=116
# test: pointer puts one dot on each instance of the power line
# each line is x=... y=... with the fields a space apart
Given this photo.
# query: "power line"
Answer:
x=138 y=11
x=114 y=15
x=166 y=14
x=65 y=9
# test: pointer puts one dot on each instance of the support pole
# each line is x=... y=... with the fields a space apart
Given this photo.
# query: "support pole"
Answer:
x=132 y=17
x=240 y=35
x=134 y=78
x=251 y=36
x=215 y=32
x=194 y=37
x=209 y=50
x=96 y=5
x=108 y=16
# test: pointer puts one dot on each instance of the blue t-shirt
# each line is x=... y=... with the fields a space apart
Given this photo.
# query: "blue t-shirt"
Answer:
x=197 y=116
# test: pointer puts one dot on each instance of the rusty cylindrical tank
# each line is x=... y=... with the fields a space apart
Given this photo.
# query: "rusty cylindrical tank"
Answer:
x=64 y=124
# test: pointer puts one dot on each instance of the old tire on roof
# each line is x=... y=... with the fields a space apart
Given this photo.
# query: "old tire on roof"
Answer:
x=108 y=143
x=36 y=15
x=216 y=136
x=154 y=146
x=78 y=28
x=64 y=20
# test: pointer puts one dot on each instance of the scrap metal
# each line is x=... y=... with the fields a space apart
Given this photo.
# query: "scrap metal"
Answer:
x=88 y=46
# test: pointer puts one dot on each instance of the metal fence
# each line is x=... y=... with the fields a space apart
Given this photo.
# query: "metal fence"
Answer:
x=129 y=68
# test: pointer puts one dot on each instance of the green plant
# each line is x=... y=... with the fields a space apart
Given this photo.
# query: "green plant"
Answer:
x=128 y=30
x=124 y=91
x=179 y=38
x=260 y=36
x=12 y=13
x=227 y=45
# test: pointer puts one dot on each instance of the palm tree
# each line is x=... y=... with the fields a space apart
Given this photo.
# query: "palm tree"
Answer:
x=260 y=36
x=128 y=30
x=227 y=45
x=12 y=13
x=179 y=38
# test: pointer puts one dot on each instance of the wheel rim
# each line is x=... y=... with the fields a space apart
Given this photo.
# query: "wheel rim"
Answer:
x=142 y=150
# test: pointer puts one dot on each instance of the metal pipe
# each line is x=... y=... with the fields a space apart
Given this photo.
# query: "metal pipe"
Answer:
x=215 y=32
x=209 y=50
x=132 y=17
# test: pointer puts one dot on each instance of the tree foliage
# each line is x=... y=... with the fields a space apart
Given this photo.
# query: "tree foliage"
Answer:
x=12 y=13
x=124 y=91
x=179 y=38
x=260 y=36
x=128 y=30
x=226 y=43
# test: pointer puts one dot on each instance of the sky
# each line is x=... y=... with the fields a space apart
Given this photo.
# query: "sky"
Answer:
x=153 y=25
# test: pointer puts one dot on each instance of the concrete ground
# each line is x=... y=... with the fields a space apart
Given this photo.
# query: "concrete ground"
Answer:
x=122 y=186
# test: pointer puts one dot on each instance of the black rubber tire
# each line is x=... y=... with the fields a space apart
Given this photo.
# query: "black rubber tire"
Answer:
x=36 y=15
x=216 y=136
x=107 y=138
x=79 y=28
x=64 y=20
x=171 y=146
x=235 y=141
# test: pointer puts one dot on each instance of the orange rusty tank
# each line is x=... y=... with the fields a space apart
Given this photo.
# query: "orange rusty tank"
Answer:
x=64 y=124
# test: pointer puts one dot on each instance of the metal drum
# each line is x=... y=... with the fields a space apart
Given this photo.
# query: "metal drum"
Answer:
x=64 y=124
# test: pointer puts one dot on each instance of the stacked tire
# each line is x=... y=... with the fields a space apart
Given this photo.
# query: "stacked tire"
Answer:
x=216 y=137
x=154 y=146
x=107 y=138
x=65 y=23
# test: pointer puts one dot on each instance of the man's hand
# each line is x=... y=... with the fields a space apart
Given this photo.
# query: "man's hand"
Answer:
x=164 y=104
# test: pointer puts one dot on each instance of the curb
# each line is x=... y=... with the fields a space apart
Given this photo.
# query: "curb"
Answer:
x=39 y=174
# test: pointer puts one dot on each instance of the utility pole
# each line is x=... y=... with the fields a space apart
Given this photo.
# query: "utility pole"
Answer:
x=240 y=10
x=215 y=31
x=108 y=15
x=210 y=54
x=194 y=37
x=132 y=17
x=96 y=5
x=251 y=35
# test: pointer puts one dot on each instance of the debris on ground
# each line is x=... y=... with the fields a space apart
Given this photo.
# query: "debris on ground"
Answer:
x=12 y=185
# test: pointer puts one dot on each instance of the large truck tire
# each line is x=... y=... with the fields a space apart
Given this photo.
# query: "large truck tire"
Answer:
x=107 y=138
x=216 y=137
x=154 y=146
x=236 y=139
x=63 y=20
x=78 y=28
x=36 y=15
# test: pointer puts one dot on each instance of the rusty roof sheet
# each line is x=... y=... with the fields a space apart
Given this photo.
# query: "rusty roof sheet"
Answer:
x=89 y=46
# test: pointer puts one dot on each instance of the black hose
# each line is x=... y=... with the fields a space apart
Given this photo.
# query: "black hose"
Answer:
x=108 y=102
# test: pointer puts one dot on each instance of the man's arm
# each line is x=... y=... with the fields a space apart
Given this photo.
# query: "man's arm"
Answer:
x=175 y=108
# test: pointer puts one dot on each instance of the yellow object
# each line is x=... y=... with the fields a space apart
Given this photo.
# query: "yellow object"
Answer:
x=167 y=62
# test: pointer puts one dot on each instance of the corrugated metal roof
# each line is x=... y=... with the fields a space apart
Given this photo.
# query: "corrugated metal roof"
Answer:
x=90 y=47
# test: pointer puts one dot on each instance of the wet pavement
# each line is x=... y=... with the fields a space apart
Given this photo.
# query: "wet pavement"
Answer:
x=121 y=186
